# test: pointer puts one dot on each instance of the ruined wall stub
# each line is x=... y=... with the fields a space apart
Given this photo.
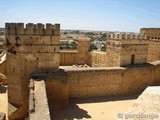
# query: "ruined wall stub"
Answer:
x=126 y=49
x=31 y=49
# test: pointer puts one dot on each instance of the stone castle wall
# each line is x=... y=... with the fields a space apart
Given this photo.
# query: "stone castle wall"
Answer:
x=31 y=49
x=113 y=54
x=67 y=57
x=92 y=82
x=35 y=49
x=120 y=48
x=105 y=81
x=98 y=59
x=94 y=58
x=139 y=51
x=83 y=51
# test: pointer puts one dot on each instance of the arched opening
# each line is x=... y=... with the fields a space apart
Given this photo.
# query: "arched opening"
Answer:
x=132 y=59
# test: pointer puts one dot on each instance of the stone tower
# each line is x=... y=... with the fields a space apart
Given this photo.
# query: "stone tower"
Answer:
x=152 y=33
x=30 y=49
x=154 y=42
x=126 y=49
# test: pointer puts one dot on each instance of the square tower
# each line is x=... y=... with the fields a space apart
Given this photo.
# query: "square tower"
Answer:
x=126 y=49
x=30 y=49
x=152 y=33
x=83 y=51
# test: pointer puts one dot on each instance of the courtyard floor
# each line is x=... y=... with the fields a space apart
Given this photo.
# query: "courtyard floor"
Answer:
x=99 y=108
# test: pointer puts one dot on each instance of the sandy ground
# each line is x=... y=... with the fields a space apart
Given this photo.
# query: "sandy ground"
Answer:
x=3 y=99
x=100 y=108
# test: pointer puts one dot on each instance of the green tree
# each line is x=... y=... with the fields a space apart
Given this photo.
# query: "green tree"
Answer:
x=93 y=47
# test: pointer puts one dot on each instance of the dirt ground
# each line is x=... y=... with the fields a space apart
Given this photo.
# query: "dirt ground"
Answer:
x=99 y=108
x=3 y=99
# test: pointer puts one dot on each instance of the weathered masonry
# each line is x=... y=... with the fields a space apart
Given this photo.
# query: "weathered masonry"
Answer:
x=31 y=49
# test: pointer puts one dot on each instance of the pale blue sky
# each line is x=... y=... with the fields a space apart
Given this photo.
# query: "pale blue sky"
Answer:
x=111 y=15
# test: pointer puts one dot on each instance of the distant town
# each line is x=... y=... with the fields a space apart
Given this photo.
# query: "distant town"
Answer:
x=2 y=32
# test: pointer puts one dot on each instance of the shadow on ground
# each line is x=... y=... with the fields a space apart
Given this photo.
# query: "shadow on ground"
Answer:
x=74 y=112
x=3 y=89
x=70 y=113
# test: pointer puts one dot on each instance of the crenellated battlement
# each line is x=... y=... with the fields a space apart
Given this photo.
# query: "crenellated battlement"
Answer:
x=154 y=41
x=127 y=36
x=32 y=29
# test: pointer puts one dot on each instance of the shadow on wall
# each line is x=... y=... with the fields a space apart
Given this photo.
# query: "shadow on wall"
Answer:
x=138 y=65
x=3 y=89
x=105 y=98
x=70 y=113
